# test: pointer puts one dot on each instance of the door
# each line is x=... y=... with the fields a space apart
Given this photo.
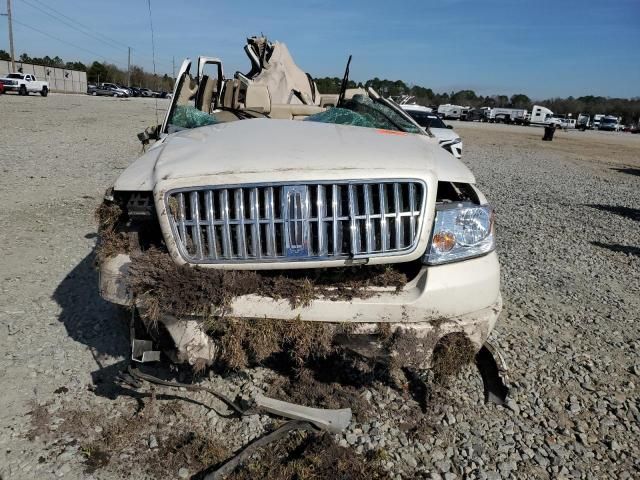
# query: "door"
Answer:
x=182 y=82
x=210 y=79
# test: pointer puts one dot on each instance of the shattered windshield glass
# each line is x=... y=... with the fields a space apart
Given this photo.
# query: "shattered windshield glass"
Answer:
x=188 y=116
x=362 y=111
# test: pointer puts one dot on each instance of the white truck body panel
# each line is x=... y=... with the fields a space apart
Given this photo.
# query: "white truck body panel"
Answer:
x=288 y=150
x=15 y=81
x=541 y=116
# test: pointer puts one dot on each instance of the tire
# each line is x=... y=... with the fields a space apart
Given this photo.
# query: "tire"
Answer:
x=23 y=90
x=44 y=92
x=113 y=94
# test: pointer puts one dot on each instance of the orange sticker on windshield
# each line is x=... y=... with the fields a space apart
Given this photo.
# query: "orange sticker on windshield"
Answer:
x=391 y=132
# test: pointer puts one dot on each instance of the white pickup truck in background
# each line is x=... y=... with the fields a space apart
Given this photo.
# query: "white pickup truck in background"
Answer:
x=24 y=84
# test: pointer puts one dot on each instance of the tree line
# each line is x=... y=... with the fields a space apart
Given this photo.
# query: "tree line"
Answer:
x=100 y=72
x=627 y=108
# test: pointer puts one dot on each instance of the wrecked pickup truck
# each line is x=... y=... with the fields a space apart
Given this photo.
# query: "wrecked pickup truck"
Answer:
x=268 y=217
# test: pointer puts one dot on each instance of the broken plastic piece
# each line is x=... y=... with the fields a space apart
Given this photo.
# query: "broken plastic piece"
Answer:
x=493 y=370
x=249 y=450
x=334 y=421
x=142 y=351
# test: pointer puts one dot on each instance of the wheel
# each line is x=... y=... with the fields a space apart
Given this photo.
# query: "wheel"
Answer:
x=44 y=92
x=23 y=90
x=113 y=94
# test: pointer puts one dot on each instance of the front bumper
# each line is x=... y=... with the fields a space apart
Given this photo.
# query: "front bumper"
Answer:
x=458 y=297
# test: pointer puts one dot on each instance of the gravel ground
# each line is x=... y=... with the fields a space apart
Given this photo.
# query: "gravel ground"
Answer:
x=569 y=243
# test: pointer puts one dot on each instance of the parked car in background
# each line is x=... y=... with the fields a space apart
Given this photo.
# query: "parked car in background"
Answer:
x=426 y=118
x=1 y=88
x=91 y=89
x=106 y=90
x=24 y=84
x=145 y=92
x=135 y=91
x=115 y=87
x=609 y=123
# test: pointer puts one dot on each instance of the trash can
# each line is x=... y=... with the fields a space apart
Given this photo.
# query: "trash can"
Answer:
x=548 y=133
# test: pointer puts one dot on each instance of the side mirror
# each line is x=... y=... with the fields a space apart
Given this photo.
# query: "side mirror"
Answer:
x=450 y=126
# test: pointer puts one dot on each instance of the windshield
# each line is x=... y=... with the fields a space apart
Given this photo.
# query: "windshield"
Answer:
x=363 y=111
x=426 y=119
x=608 y=120
x=14 y=75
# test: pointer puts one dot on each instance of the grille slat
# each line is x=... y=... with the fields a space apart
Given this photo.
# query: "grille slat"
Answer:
x=353 y=212
x=412 y=207
x=254 y=223
x=211 y=234
x=226 y=227
x=195 y=229
x=322 y=229
x=241 y=244
x=370 y=231
x=271 y=235
x=397 y=208
x=384 y=232
x=337 y=242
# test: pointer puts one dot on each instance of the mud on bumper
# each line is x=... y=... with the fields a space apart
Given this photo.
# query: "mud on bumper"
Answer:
x=461 y=297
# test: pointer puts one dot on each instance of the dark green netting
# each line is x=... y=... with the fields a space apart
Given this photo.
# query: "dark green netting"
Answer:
x=187 y=116
x=361 y=111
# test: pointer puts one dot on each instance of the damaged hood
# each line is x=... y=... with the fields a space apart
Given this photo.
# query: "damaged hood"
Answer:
x=289 y=150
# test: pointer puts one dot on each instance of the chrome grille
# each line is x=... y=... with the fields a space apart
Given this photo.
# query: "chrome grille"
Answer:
x=296 y=222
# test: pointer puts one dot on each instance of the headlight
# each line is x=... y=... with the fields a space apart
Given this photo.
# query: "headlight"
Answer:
x=461 y=231
x=456 y=140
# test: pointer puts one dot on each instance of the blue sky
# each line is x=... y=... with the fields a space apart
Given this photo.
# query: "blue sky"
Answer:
x=539 y=47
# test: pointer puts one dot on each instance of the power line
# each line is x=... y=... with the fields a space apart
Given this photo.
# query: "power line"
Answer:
x=153 y=53
x=85 y=29
x=64 y=41
x=89 y=31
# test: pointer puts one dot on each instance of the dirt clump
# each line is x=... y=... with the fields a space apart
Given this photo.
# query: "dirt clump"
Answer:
x=251 y=341
x=110 y=240
x=309 y=457
x=452 y=353
x=118 y=440
x=40 y=420
x=315 y=389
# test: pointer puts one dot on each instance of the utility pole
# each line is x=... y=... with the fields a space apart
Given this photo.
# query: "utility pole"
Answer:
x=11 y=51
x=129 y=68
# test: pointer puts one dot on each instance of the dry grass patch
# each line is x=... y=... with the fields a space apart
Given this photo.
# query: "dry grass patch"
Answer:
x=110 y=241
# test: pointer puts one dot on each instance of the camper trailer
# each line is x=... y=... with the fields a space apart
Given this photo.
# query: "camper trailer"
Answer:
x=508 y=115
x=596 y=121
x=451 y=112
